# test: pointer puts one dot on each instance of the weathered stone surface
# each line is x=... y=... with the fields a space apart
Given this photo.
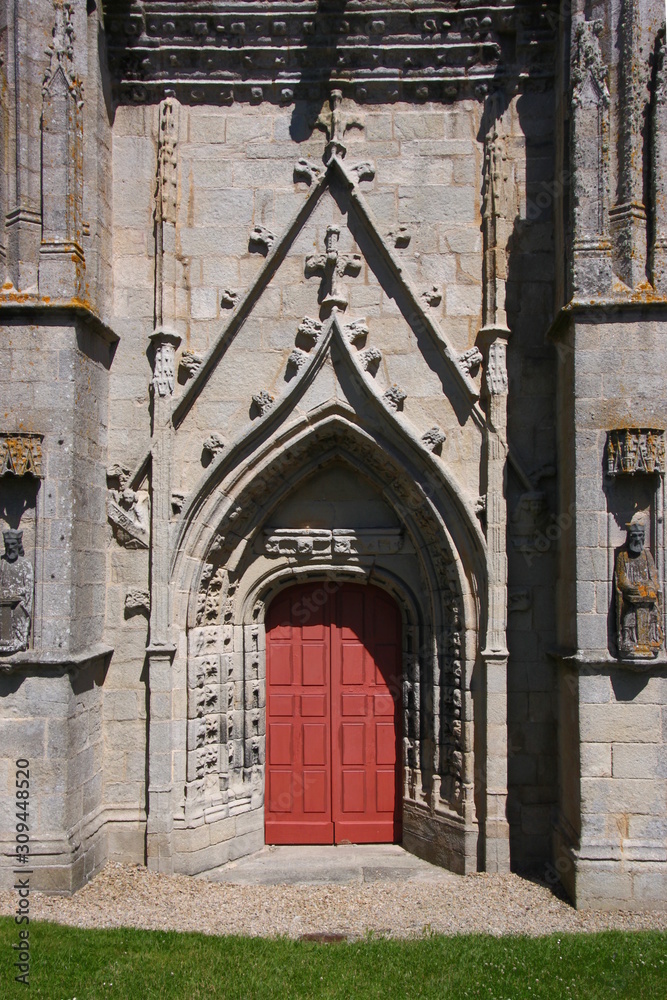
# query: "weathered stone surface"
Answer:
x=320 y=349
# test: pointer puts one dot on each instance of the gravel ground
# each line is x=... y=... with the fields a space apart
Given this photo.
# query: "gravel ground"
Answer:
x=132 y=896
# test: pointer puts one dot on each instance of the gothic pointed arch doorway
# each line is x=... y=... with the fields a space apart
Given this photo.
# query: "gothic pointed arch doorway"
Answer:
x=333 y=722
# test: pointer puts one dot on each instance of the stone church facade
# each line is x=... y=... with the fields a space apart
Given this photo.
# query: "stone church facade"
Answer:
x=340 y=304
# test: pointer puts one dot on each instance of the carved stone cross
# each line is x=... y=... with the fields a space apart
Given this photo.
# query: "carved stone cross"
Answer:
x=335 y=123
x=333 y=266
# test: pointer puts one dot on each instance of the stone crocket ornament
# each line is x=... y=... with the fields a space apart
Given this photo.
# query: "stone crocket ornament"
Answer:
x=16 y=591
x=638 y=612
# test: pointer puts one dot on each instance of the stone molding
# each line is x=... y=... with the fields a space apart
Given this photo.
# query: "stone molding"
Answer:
x=44 y=660
x=337 y=544
x=228 y=52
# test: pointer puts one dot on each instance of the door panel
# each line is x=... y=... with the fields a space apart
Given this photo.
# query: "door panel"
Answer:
x=301 y=812
x=333 y=717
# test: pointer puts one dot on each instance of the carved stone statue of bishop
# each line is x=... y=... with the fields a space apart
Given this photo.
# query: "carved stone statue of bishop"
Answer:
x=16 y=591
x=638 y=599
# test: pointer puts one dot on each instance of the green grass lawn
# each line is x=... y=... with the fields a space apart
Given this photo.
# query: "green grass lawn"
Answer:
x=128 y=964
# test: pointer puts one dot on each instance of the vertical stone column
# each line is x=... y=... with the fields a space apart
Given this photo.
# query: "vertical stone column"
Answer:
x=497 y=210
x=166 y=208
x=628 y=217
x=658 y=173
x=61 y=261
x=165 y=342
x=495 y=654
x=159 y=652
x=25 y=67
x=589 y=142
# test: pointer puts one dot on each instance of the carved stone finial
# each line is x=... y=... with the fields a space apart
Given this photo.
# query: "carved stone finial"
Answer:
x=61 y=52
x=638 y=598
x=497 y=211
x=333 y=266
x=166 y=191
x=16 y=592
x=336 y=124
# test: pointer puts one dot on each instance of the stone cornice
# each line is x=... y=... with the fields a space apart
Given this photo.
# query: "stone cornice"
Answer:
x=48 y=660
x=221 y=51
x=18 y=305
x=599 y=307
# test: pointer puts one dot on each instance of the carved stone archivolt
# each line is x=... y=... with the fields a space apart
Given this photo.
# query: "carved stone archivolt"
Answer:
x=434 y=756
x=21 y=454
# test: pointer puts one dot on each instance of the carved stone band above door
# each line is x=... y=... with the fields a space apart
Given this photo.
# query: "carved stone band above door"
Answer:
x=338 y=544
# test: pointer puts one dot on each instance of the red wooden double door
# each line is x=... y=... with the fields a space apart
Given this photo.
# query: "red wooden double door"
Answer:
x=333 y=716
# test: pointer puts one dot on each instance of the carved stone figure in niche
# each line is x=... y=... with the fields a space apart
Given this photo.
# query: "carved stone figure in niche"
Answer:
x=638 y=626
x=16 y=590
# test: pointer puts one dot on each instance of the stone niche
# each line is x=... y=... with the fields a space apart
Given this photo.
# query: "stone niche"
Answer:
x=634 y=486
x=20 y=473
